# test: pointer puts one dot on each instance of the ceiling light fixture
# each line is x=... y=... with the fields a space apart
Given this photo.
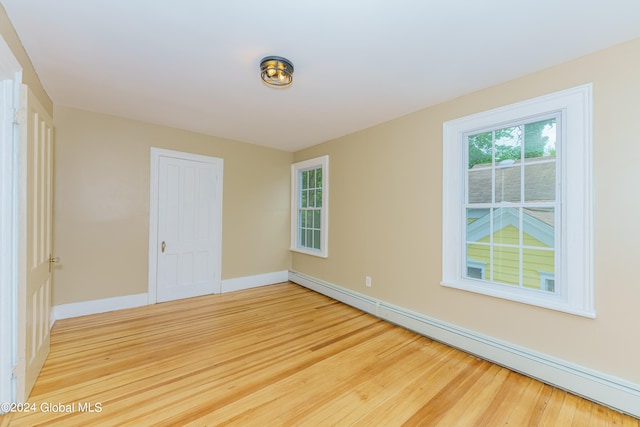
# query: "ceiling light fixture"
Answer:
x=276 y=71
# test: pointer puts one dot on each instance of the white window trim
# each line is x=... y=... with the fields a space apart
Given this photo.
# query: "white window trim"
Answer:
x=323 y=162
x=575 y=279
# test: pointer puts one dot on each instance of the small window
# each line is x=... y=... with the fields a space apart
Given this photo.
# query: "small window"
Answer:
x=476 y=270
x=309 y=206
x=547 y=281
x=517 y=203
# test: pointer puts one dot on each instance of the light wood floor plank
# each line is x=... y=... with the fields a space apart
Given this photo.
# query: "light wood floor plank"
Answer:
x=279 y=355
x=474 y=405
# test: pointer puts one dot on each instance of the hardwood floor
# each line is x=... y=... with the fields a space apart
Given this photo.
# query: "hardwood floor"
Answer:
x=278 y=355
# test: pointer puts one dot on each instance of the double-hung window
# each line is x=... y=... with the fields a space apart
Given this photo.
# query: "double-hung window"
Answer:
x=517 y=220
x=309 y=206
x=511 y=203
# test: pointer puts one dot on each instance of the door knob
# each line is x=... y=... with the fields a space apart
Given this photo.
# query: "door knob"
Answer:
x=53 y=260
x=164 y=245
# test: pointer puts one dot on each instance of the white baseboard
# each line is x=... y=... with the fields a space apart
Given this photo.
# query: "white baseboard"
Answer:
x=84 y=308
x=240 y=283
x=610 y=391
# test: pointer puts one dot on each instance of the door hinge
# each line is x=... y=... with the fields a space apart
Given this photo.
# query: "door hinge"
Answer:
x=18 y=116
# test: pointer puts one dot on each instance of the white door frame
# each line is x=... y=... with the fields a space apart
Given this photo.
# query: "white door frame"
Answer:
x=10 y=79
x=156 y=154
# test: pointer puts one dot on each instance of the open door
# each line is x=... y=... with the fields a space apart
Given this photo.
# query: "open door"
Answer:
x=34 y=241
x=10 y=83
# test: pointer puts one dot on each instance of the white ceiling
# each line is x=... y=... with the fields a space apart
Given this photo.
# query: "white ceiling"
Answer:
x=194 y=64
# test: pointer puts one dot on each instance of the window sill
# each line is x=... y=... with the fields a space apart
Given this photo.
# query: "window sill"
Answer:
x=311 y=252
x=525 y=296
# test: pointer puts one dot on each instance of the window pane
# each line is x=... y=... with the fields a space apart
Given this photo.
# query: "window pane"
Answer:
x=302 y=237
x=508 y=182
x=479 y=186
x=474 y=273
x=478 y=225
x=506 y=265
x=309 y=219
x=319 y=198
x=477 y=254
x=316 y=219
x=506 y=226
x=309 y=238
x=302 y=215
x=508 y=144
x=312 y=198
x=304 y=198
x=312 y=178
x=319 y=178
x=479 y=149
x=534 y=262
x=540 y=182
x=316 y=239
x=540 y=139
x=304 y=179
x=539 y=227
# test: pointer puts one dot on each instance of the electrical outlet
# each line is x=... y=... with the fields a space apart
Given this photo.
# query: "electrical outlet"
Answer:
x=367 y=281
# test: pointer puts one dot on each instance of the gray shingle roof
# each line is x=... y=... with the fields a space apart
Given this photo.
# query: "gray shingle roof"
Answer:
x=539 y=182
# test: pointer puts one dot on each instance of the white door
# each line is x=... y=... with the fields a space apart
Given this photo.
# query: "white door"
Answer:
x=189 y=222
x=34 y=241
x=10 y=81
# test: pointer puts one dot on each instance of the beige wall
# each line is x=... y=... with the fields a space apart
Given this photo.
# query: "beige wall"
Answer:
x=386 y=220
x=29 y=76
x=101 y=206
